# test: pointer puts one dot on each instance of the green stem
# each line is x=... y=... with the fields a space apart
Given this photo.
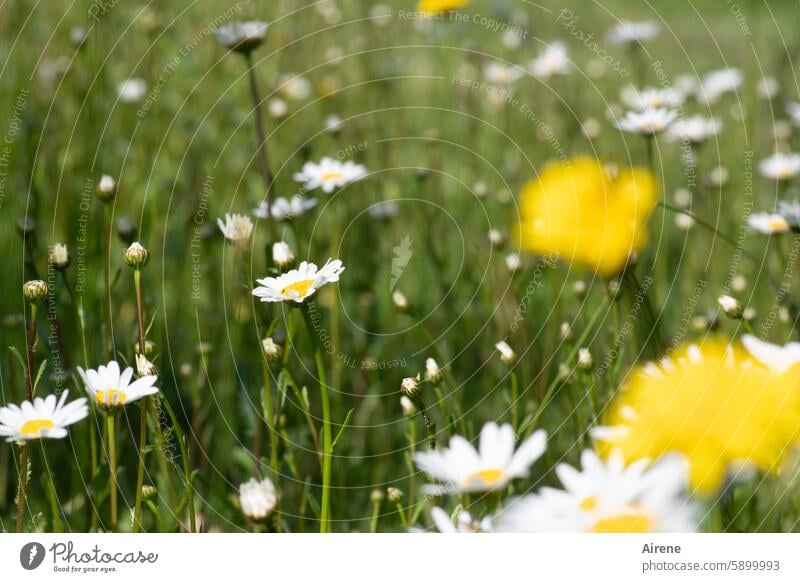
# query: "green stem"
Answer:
x=137 y=510
x=112 y=468
x=55 y=507
x=185 y=459
x=270 y=419
x=107 y=339
x=23 y=481
x=326 y=423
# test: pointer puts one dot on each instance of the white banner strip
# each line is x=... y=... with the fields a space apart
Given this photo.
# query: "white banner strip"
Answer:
x=389 y=557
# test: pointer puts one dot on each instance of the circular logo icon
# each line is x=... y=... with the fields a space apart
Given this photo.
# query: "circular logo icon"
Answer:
x=31 y=555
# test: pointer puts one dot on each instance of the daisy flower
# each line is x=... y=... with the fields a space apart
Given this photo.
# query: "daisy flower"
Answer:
x=630 y=32
x=768 y=223
x=237 y=228
x=793 y=109
x=258 y=499
x=501 y=74
x=790 y=211
x=298 y=284
x=329 y=174
x=695 y=129
x=652 y=98
x=778 y=358
x=132 y=90
x=44 y=418
x=285 y=208
x=717 y=83
x=294 y=87
x=648 y=121
x=461 y=468
x=553 y=60
x=242 y=36
x=112 y=390
x=464 y=522
x=780 y=166
x=607 y=497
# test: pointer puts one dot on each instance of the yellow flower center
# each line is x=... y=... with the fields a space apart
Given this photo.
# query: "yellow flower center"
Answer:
x=330 y=176
x=111 y=397
x=778 y=224
x=299 y=287
x=589 y=503
x=634 y=522
x=35 y=427
x=486 y=477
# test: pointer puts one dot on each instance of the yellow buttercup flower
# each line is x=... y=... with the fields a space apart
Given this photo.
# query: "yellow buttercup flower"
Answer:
x=434 y=6
x=715 y=404
x=580 y=213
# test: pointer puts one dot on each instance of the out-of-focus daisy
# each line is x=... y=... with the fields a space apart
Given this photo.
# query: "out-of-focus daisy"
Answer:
x=687 y=84
x=298 y=284
x=780 y=166
x=294 y=87
x=630 y=32
x=384 y=210
x=607 y=497
x=652 y=98
x=237 y=228
x=258 y=499
x=779 y=358
x=381 y=14
x=112 y=389
x=44 y=418
x=58 y=256
x=277 y=107
x=648 y=121
x=793 y=109
x=579 y=213
x=768 y=87
x=333 y=123
x=461 y=468
x=513 y=262
x=499 y=73
x=242 y=36
x=132 y=90
x=695 y=129
x=285 y=209
x=329 y=174
x=768 y=223
x=464 y=522
x=715 y=405
x=790 y=210
x=435 y=6
x=552 y=61
x=717 y=83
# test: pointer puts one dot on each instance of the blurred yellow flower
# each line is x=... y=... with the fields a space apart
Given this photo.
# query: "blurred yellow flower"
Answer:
x=585 y=216
x=440 y=5
x=715 y=404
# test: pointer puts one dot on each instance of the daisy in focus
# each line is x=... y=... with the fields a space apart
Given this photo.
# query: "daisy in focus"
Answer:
x=648 y=121
x=607 y=497
x=112 y=389
x=329 y=174
x=462 y=468
x=237 y=228
x=585 y=216
x=298 y=284
x=715 y=404
x=44 y=418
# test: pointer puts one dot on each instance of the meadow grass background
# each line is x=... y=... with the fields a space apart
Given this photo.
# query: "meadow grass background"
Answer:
x=185 y=156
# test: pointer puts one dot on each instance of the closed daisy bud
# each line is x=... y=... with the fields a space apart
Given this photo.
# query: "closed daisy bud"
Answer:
x=564 y=373
x=749 y=314
x=59 y=256
x=410 y=386
x=272 y=351
x=730 y=306
x=376 y=496
x=566 y=331
x=242 y=37
x=408 y=406
x=282 y=254
x=507 y=355
x=513 y=262
x=394 y=494
x=432 y=372
x=400 y=301
x=700 y=323
x=106 y=188
x=148 y=491
x=34 y=291
x=739 y=283
x=136 y=256
x=496 y=238
x=149 y=348
x=579 y=288
x=585 y=361
x=126 y=230
x=145 y=367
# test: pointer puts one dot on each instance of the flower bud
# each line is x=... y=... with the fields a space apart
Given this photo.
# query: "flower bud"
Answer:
x=730 y=306
x=148 y=491
x=394 y=494
x=282 y=255
x=507 y=355
x=585 y=361
x=34 y=291
x=59 y=256
x=566 y=331
x=377 y=495
x=496 y=238
x=272 y=350
x=126 y=230
x=513 y=262
x=400 y=301
x=136 y=256
x=106 y=188
x=408 y=406
x=145 y=367
x=432 y=372
x=410 y=386
x=579 y=288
